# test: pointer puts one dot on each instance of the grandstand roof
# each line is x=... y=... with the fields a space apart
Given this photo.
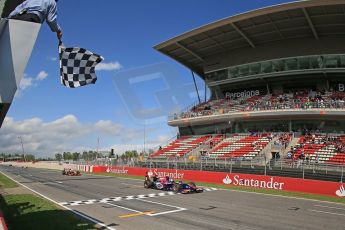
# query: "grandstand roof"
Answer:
x=313 y=19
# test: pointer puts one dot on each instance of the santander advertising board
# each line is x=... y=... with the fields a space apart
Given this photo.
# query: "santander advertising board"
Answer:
x=268 y=184
x=327 y=188
x=174 y=175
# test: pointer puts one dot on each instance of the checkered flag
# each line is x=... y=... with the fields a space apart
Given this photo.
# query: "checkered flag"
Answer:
x=77 y=66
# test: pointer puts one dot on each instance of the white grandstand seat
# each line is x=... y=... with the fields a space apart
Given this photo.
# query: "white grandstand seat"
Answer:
x=244 y=146
x=180 y=147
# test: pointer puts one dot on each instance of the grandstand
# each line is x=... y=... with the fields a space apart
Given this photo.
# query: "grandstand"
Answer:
x=320 y=148
x=277 y=78
x=180 y=147
x=246 y=147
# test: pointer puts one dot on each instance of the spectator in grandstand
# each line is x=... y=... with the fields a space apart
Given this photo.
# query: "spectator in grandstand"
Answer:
x=302 y=156
x=211 y=144
x=38 y=11
x=303 y=99
x=289 y=155
x=317 y=158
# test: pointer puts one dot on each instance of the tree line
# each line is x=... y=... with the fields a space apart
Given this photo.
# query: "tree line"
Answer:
x=17 y=156
x=92 y=155
x=73 y=156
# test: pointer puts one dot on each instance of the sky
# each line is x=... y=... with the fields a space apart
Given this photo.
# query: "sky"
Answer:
x=51 y=118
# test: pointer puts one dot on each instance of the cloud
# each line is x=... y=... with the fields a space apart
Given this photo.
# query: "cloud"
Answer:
x=108 y=66
x=108 y=127
x=163 y=139
x=28 y=82
x=52 y=58
x=67 y=134
x=41 y=75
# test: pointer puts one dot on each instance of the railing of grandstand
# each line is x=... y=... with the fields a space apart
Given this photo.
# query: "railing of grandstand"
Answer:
x=304 y=165
x=320 y=62
x=292 y=105
x=185 y=109
x=189 y=107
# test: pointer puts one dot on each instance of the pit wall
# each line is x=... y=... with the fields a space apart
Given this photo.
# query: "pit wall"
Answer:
x=327 y=188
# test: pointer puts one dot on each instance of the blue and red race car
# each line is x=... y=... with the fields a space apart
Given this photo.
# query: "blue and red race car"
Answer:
x=160 y=183
x=186 y=188
x=167 y=184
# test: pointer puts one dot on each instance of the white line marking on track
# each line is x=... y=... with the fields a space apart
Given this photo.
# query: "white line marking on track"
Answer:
x=119 y=206
x=67 y=208
x=155 y=202
x=178 y=209
x=167 y=212
x=331 y=213
x=323 y=206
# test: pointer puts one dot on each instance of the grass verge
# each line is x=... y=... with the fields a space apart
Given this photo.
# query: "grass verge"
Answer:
x=31 y=212
x=248 y=189
x=6 y=182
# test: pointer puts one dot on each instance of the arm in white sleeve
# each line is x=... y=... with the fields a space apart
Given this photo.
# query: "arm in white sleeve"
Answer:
x=52 y=18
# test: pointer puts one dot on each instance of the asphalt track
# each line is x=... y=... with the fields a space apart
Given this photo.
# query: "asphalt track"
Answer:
x=119 y=203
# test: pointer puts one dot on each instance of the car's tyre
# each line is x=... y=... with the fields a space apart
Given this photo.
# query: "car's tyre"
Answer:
x=147 y=184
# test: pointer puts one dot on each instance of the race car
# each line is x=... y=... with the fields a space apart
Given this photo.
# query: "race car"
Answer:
x=71 y=172
x=186 y=188
x=160 y=183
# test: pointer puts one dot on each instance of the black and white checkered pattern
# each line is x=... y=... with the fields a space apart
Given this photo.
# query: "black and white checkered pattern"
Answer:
x=119 y=198
x=122 y=198
x=77 y=66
